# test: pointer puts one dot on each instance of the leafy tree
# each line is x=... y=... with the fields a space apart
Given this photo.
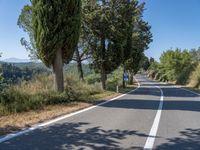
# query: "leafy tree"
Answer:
x=145 y=64
x=141 y=38
x=109 y=26
x=100 y=24
x=81 y=53
x=56 y=27
x=13 y=73
x=25 y=22
x=173 y=62
x=153 y=64
x=195 y=54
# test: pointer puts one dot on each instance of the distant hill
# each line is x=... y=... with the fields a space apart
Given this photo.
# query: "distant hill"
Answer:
x=16 y=60
x=69 y=68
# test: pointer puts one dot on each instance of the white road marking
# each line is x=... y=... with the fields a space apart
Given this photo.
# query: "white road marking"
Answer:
x=179 y=87
x=152 y=135
x=11 y=136
x=189 y=91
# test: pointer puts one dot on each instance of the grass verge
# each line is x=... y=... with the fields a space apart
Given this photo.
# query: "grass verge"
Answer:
x=14 y=122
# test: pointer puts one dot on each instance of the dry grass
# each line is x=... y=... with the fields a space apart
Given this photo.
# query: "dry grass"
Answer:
x=18 y=121
x=39 y=84
x=14 y=122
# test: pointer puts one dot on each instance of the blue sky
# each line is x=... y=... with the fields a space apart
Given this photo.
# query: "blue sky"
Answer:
x=175 y=23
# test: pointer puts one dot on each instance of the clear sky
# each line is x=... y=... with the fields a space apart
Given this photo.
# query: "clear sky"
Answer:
x=175 y=23
x=10 y=33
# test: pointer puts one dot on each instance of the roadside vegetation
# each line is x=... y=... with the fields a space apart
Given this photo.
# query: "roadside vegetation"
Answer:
x=104 y=39
x=38 y=92
x=177 y=66
x=29 y=102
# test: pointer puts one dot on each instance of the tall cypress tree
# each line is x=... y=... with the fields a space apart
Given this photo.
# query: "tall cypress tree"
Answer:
x=56 y=27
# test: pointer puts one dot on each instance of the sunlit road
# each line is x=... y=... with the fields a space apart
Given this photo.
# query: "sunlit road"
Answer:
x=154 y=116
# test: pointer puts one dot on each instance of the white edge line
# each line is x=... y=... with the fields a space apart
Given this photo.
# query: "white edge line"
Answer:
x=153 y=132
x=10 y=136
x=179 y=87
x=189 y=91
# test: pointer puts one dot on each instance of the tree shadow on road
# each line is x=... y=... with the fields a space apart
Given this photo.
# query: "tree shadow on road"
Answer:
x=189 y=140
x=72 y=136
x=168 y=92
x=184 y=105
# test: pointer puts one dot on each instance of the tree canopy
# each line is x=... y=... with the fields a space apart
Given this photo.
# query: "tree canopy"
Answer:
x=56 y=29
x=110 y=26
x=173 y=62
x=113 y=33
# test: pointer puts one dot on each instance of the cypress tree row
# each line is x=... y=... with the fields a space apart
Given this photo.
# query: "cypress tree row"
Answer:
x=56 y=28
x=113 y=33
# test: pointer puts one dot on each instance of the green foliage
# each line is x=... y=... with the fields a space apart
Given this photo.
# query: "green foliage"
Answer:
x=14 y=101
x=105 y=47
x=194 y=79
x=93 y=78
x=116 y=34
x=80 y=91
x=176 y=66
x=141 y=39
x=144 y=62
x=195 y=54
x=114 y=79
x=172 y=63
x=13 y=73
x=56 y=25
x=36 y=94
x=25 y=22
x=183 y=78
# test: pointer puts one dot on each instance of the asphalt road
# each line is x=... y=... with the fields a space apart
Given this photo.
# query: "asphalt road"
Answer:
x=124 y=124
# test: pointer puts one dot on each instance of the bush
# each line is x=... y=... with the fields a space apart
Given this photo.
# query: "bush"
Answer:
x=194 y=80
x=114 y=79
x=35 y=94
x=12 y=101
x=93 y=78
x=152 y=74
x=79 y=90
x=183 y=78
x=172 y=63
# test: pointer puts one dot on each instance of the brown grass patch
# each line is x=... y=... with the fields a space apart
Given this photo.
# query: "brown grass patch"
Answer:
x=15 y=122
x=23 y=120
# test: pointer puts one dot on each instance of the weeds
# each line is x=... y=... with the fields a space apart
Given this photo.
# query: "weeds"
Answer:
x=35 y=94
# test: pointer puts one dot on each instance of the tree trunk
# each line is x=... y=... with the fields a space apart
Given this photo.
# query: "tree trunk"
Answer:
x=103 y=78
x=79 y=65
x=123 y=81
x=131 y=78
x=103 y=71
x=58 y=72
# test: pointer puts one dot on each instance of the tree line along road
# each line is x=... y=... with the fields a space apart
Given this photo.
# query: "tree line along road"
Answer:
x=154 y=116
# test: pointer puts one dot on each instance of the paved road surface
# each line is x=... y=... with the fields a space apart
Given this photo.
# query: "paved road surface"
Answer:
x=124 y=124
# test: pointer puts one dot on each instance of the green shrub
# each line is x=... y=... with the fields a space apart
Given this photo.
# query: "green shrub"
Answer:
x=13 y=101
x=93 y=78
x=194 y=80
x=37 y=93
x=183 y=78
x=79 y=90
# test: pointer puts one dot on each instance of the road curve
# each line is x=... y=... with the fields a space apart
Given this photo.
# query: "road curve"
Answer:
x=123 y=124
